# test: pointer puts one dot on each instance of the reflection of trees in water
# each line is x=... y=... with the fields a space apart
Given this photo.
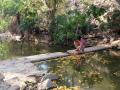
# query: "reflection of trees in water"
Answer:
x=114 y=70
x=14 y=49
x=27 y=48
x=4 y=50
x=108 y=65
x=23 y=48
x=96 y=68
x=71 y=74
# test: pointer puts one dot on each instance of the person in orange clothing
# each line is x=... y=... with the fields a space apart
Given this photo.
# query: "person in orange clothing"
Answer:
x=80 y=44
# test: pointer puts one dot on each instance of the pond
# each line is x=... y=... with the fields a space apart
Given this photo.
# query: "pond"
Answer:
x=14 y=49
x=95 y=71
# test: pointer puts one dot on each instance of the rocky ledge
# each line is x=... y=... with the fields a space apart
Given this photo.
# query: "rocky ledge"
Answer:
x=22 y=75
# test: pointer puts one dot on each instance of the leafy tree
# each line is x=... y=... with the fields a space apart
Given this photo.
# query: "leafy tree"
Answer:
x=53 y=6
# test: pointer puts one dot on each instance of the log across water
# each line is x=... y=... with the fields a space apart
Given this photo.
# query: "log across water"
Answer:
x=41 y=57
x=47 y=56
x=92 y=49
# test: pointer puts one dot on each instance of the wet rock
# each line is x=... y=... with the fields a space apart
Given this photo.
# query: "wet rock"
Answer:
x=49 y=76
x=46 y=81
x=46 y=84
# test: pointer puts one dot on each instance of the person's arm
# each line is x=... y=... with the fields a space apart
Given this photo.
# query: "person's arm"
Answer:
x=75 y=44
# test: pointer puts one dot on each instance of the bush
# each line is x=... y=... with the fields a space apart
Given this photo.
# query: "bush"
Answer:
x=95 y=11
x=3 y=50
x=67 y=26
x=3 y=25
x=114 y=20
x=29 y=19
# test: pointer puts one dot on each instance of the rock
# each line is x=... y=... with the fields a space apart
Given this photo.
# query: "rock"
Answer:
x=118 y=47
x=17 y=79
x=16 y=38
x=49 y=76
x=4 y=86
x=46 y=84
x=1 y=77
x=116 y=42
x=5 y=36
x=16 y=82
x=14 y=88
x=46 y=81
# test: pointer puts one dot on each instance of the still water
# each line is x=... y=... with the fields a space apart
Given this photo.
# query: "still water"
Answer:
x=95 y=71
x=14 y=49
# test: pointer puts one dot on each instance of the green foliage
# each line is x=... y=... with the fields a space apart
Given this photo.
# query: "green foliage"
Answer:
x=114 y=20
x=103 y=26
x=29 y=19
x=67 y=26
x=3 y=25
x=29 y=14
x=27 y=9
x=95 y=11
x=10 y=6
x=53 y=3
x=3 y=50
x=7 y=8
x=61 y=25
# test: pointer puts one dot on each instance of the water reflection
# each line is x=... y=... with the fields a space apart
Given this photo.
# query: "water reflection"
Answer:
x=95 y=71
x=17 y=49
x=99 y=71
x=43 y=66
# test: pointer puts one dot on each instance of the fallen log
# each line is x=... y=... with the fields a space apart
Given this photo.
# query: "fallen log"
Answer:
x=98 y=47
x=47 y=56
x=43 y=57
x=91 y=49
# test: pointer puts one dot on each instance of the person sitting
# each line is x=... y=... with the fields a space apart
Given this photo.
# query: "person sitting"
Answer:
x=80 y=44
